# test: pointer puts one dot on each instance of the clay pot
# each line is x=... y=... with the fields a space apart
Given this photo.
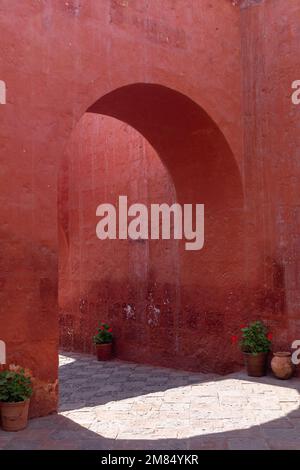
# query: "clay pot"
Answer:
x=14 y=416
x=282 y=365
x=104 y=351
x=256 y=364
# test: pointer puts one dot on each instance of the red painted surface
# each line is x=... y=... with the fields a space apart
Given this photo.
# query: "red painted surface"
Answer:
x=111 y=280
x=208 y=85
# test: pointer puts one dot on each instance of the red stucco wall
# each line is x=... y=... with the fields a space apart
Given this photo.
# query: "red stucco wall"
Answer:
x=270 y=45
x=112 y=280
x=222 y=122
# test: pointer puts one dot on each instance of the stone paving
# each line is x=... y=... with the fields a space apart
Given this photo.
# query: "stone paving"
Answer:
x=120 y=405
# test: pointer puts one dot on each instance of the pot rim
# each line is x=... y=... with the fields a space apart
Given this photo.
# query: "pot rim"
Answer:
x=282 y=353
x=14 y=403
x=255 y=355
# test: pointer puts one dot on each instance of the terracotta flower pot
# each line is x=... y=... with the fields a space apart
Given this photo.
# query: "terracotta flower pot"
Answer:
x=14 y=416
x=256 y=364
x=104 y=351
x=282 y=365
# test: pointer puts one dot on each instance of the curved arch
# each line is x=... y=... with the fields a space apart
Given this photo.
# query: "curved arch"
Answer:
x=204 y=170
x=187 y=140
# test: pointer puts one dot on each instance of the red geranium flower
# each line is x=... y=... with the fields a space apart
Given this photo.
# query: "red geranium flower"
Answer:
x=234 y=339
x=269 y=336
x=243 y=326
x=109 y=330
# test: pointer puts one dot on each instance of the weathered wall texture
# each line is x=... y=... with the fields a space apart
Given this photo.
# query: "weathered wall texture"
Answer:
x=270 y=49
x=208 y=85
x=112 y=280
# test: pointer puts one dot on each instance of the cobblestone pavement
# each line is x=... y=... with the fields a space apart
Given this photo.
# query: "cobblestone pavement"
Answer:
x=120 y=405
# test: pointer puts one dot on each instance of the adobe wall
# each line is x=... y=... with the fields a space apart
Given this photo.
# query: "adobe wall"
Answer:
x=270 y=45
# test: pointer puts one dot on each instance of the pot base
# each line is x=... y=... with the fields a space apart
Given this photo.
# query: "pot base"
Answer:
x=14 y=416
x=104 y=351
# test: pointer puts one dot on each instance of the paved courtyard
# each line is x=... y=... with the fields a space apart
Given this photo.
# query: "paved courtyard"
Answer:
x=120 y=405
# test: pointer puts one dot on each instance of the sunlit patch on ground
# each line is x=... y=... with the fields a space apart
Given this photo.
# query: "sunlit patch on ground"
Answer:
x=121 y=400
x=119 y=405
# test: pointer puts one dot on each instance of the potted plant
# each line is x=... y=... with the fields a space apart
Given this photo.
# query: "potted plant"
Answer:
x=103 y=341
x=255 y=344
x=15 y=393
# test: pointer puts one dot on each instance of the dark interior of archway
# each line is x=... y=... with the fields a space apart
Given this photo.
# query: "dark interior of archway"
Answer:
x=188 y=141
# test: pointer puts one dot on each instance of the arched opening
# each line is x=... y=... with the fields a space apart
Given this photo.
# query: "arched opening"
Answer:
x=173 y=307
x=109 y=279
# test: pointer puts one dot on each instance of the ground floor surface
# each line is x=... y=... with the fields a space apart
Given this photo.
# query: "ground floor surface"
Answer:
x=119 y=405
